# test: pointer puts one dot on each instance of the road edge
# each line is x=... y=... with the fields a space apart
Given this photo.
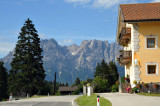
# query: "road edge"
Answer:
x=74 y=103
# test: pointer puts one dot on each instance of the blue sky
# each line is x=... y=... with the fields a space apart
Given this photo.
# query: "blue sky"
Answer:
x=67 y=21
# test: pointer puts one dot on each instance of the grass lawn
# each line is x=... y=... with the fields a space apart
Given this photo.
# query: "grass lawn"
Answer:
x=92 y=101
x=149 y=94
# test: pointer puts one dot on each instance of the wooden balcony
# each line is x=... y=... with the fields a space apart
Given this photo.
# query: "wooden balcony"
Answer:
x=125 y=36
x=124 y=57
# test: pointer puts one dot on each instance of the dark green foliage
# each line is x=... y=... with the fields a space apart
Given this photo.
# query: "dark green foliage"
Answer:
x=55 y=84
x=100 y=85
x=77 y=81
x=27 y=73
x=107 y=72
x=61 y=84
x=113 y=77
x=89 y=80
x=46 y=88
x=98 y=70
x=79 y=90
x=3 y=82
x=49 y=88
x=67 y=84
x=134 y=89
x=123 y=79
x=114 y=88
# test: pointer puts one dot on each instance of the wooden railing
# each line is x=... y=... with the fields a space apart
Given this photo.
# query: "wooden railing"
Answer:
x=125 y=36
x=124 y=57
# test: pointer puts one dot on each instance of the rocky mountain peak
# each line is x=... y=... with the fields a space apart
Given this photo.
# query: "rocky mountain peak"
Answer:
x=72 y=61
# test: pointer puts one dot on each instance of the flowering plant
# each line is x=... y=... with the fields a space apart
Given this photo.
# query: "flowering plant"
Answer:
x=117 y=82
x=145 y=85
x=134 y=82
x=127 y=79
x=155 y=85
x=134 y=89
x=128 y=89
x=139 y=85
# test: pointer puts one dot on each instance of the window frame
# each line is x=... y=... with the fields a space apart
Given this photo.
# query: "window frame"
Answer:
x=151 y=37
x=154 y=43
x=152 y=64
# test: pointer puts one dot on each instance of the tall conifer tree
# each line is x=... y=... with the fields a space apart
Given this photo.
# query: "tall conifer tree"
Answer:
x=3 y=82
x=27 y=73
x=98 y=70
x=114 y=72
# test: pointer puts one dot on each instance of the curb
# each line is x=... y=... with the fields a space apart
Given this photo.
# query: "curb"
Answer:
x=74 y=103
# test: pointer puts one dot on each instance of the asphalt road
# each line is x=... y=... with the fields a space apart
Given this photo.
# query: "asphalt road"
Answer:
x=43 y=101
x=125 y=99
x=38 y=104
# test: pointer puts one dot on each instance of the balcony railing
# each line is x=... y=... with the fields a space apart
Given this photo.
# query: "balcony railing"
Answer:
x=124 y=57
x=125 y=36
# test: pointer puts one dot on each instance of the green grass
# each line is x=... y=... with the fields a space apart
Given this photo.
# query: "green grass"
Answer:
x=92 y=101
x=149 y=94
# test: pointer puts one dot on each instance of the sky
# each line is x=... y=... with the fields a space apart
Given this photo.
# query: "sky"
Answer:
x=66 y=21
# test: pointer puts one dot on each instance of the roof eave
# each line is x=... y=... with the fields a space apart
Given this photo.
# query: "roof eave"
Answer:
x=118 y=22
x=146 y=20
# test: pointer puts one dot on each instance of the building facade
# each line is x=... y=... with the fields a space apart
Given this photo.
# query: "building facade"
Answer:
x=138 y=31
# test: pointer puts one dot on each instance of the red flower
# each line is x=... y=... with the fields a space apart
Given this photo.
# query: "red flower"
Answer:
x=155 y=85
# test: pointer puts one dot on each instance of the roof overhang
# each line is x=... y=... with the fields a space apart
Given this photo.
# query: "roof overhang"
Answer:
x=120 y=21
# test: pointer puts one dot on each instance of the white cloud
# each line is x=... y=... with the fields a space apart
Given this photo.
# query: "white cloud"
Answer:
x=65 y=42
x=100 y=3
x=105 y=3
x=43 y=36
x=5 y=48
x=155 y=1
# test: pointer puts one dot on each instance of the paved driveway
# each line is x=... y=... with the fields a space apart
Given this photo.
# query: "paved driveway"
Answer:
x=124 y=99
x=43 y=101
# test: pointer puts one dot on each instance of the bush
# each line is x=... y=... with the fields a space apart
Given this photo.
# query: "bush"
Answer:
x=79 y=90
x=146 y=85
x=114 y=88
x=134 y=89
x=100 y=85
x=58 y=93
x=123 y=79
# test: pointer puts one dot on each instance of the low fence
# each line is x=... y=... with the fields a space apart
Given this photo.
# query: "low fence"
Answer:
x=150 y=88
x=142 y=89
x=124 y=86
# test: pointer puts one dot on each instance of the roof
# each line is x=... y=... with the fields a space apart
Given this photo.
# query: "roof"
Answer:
x=140 y=12
x=67 y=88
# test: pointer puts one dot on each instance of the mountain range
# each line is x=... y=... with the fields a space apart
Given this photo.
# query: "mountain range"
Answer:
x=70 y=62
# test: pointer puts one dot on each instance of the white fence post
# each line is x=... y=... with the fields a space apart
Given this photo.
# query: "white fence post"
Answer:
x=98 y=100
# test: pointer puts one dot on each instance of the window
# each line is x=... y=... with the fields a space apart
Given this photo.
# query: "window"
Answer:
x=151 y=69
x=150 y=42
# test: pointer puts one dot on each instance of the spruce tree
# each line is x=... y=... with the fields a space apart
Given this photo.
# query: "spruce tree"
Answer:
x=55 y=84
x=67 y=84
x=98 y=70
x=27 y=64
x=105 y=70
x=77 y=81
x=114 y=72
x=3 y=82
